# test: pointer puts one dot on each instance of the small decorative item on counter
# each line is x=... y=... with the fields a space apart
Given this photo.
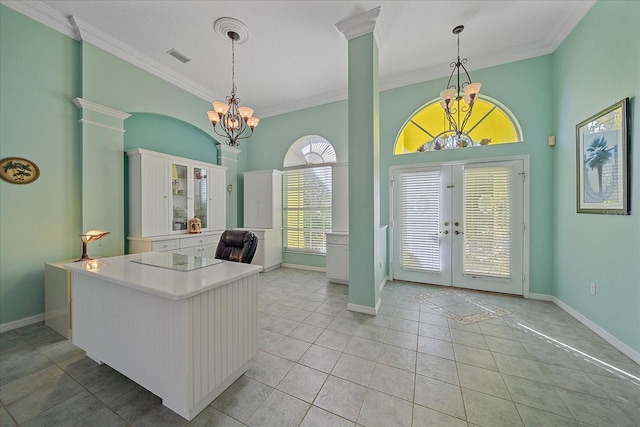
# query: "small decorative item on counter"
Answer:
x=195 y=225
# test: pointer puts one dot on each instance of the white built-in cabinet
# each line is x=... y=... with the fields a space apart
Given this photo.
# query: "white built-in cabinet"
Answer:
x=165 y=192
x=263 y=199
x=337 y=261
x=263 y=215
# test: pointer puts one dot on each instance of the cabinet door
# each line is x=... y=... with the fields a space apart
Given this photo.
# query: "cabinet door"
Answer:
x=181 y=187
x=338 y=261
x=217 y=201
x=340 y=197
x=251 y=192
x=154 y=203
x=201 y=189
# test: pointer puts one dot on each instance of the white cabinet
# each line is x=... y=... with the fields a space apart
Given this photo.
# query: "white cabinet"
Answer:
x=164 y=193
x=269 y=250
x=337 y=261
x=263 y=199
x=200 y=245
x=338 y=257
x=340 y=197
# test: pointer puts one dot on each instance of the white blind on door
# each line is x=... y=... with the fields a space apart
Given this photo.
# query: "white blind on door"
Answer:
x=307 y=208
x=487 y=221
x=419 y=219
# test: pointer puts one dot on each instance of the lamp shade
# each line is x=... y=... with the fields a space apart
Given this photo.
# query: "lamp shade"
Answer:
x=213 y=117
x=245 y=112
x=253 y=122
x=472 y=89
x=447 y=94
x=220 y=108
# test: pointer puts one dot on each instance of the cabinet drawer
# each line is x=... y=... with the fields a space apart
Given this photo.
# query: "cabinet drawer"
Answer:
x=338 y=239
x=165 y=245
x=208 y=239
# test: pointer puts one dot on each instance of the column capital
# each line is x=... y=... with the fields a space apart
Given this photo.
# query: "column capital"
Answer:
x=364 y=23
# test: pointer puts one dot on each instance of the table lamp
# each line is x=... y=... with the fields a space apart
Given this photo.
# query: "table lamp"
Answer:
x=90 y=236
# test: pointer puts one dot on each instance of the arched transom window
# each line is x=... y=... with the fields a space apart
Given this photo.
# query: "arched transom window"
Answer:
x=490 y=123
x=307 y=194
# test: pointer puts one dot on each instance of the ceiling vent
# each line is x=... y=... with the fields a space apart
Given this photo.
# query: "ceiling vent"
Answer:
x=178 y=56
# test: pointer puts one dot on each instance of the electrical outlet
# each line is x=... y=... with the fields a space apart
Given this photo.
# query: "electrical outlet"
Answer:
x=593 y=288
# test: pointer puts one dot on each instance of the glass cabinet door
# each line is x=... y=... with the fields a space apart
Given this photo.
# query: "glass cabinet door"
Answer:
x=200 y=195
x=180 y=196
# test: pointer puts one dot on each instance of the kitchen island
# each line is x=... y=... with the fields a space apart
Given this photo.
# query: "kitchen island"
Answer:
x=183 y=327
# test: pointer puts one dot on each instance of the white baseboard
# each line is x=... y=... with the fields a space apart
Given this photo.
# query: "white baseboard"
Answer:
x=10 y=326
x=383 y=283
x=628 y=351
x=304 y=267
x=541 y=297
x=364 y=308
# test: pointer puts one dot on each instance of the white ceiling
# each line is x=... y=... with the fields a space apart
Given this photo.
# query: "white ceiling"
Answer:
x=295 y=57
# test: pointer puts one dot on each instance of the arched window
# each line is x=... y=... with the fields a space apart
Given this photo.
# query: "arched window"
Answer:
x=490 y=123
x=307 y=194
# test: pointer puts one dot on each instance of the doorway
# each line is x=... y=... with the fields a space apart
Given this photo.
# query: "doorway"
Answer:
x=461 y=225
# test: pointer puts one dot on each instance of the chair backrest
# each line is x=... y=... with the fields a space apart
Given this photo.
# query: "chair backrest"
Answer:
x=237 y=245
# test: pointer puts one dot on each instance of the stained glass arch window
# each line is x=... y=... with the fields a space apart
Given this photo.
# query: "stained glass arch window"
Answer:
x=490 y=123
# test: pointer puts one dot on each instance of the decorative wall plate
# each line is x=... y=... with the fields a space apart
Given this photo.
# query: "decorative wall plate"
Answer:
x=17 y=170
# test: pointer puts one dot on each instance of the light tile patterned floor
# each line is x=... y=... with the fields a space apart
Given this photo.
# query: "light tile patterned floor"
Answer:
x=321 y=365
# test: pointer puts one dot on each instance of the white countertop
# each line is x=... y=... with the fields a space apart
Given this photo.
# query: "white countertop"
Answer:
x=164 y=282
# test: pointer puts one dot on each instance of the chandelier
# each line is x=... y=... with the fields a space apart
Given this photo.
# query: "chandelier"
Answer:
x=228 y=119
x=457 y=102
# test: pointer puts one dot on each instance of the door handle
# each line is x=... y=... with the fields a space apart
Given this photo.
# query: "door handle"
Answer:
x=444 y=232
x=458 y=232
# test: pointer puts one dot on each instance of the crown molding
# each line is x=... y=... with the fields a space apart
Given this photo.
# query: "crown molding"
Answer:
x=349 y=28
x=364 y=23
x=581 y=8
x=43 y=14
x=79 y=30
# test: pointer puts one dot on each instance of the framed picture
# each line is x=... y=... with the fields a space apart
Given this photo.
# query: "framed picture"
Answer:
x=17 y=170
x=603 y=161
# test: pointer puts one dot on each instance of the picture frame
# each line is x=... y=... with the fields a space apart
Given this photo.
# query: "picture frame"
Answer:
x=602 y=156
x=17 y=170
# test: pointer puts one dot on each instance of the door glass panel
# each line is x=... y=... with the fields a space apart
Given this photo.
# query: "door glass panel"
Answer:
x=200 y=195
x=419 y=219
x=487 y=221
x=179 y=196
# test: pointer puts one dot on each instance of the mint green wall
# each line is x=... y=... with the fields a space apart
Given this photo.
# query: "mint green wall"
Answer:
x=364 y=171
x=596 y=66
x=169 y=135
x=273 y=137
x=530 y=103
x=39 y=222
x=42 y=71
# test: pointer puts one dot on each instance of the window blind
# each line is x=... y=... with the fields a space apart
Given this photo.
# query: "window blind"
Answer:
x=419 y=219
x=307 y=208
x=487 y=221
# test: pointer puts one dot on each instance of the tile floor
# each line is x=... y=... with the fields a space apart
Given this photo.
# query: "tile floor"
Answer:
x=322 y=365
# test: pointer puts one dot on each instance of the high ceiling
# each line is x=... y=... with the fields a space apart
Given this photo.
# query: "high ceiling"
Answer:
x=295 y=57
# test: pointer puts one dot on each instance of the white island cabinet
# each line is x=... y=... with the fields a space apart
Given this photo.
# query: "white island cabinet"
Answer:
x=183 y=327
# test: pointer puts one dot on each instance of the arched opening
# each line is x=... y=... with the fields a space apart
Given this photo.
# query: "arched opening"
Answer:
x=307 y=194
x=491 y=123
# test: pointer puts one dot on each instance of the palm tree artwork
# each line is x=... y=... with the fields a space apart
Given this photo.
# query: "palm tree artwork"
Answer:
x=598 y=154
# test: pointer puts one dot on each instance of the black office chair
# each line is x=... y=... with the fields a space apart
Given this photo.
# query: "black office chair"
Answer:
x=237 y=245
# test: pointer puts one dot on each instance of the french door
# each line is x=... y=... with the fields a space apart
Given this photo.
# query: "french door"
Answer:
x=460 y=225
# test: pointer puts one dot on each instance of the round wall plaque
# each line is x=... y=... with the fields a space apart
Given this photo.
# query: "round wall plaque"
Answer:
x=17 y=170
